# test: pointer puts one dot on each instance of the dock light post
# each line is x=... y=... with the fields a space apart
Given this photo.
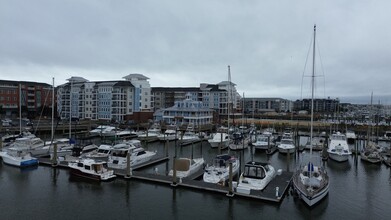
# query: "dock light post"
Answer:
x=54 y=158
x=230 y=190
x=128 y=174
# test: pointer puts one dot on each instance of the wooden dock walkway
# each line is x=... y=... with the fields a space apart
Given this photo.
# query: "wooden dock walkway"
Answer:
x=269 y=194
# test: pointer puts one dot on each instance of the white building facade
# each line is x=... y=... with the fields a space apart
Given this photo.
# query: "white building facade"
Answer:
x=103 y=100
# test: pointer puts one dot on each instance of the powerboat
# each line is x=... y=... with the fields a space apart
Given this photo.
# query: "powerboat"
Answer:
x=186 y=167
x=263 y=142
x=34 y=145
x=317 y=143
x=286 y=145
x=15 y=156
x=350 y=137
x=91 y=169
x=338 y=147
x=118 y=155
x=98 y=131
x=168 y=134
x=151 y=134
x=218 y=172
x=102 y=153
x=189 y=136
x=219 y=138
x=256 y=176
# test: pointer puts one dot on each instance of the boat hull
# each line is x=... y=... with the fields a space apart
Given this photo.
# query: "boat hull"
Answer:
x=91 y=176
x=339 y=157
x=18 y=161
x=312 y=200
x=286 y=150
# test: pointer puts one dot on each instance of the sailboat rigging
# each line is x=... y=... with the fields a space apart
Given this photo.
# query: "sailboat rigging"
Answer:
x=311 y=181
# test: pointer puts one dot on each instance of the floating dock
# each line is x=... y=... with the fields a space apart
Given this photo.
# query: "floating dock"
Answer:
x=280 y=182
x=274 y=191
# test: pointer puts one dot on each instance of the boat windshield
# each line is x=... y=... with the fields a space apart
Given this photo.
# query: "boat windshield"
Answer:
x=254 y=172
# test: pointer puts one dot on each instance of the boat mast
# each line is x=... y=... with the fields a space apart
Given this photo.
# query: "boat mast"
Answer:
x=312 y=90
x=70 y=111
x=228 y=95
x=20 y=108
x=52 y=110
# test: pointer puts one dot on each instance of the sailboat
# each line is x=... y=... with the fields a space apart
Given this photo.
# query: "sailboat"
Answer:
x=310 y=180
x=371 y=152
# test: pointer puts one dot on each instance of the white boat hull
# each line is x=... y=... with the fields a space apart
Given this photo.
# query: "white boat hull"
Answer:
x=219 y=175
x=24 y=161
x=286 y=150
x=312 y=200
x=339 y=157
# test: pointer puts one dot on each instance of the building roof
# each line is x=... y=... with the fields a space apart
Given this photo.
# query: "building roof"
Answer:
x=226 y=83
x=175 y=89
x=16 y=83
x=135 y=76
x=74 y=79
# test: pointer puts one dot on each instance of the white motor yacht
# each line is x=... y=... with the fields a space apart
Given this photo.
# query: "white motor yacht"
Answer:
x=256 y=176
x=186 y=167
x=286 y=145
x=338 y=147
x=18 y=157
x=219 y=138
x=91 y=169
x=118 y=156
x=263 y=142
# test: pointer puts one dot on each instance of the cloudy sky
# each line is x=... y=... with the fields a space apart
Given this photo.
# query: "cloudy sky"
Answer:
x=184 y=43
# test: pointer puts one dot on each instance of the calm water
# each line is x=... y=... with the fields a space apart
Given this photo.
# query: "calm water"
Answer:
x=358 y=191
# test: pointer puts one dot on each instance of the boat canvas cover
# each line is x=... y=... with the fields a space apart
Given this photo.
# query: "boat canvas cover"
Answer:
x=182 y=165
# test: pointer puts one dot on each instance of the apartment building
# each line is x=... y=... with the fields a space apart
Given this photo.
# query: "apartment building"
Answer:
x=104 y=100
x=33 y=98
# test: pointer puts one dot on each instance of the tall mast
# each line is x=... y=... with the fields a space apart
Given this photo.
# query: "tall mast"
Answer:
x=228 y=94
x=70 y=111
x=52 y=110
x=20 y=108
x=312 y=90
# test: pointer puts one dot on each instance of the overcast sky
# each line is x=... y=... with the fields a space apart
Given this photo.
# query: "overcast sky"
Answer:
x=184 y=43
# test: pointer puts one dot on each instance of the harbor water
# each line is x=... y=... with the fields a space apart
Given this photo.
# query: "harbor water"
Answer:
x=358 y=190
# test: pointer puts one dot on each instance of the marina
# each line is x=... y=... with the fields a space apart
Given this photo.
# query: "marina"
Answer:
x=149 y=186
x=273 y=193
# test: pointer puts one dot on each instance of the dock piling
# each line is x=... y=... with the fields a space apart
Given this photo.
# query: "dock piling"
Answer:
x=230 y=190
x=128 y=168
x=54 y=158
x=174 y=183
x=166 y=147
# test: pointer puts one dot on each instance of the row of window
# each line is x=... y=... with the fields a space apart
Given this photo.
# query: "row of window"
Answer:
x=7 y=98
x=3 y=91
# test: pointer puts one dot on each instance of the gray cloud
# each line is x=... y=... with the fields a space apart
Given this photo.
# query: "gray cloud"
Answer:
x=179 y=43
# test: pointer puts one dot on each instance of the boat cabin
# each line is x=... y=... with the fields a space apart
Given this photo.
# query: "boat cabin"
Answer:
x=255 y=170
x=97 y=167
x=222 y=160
